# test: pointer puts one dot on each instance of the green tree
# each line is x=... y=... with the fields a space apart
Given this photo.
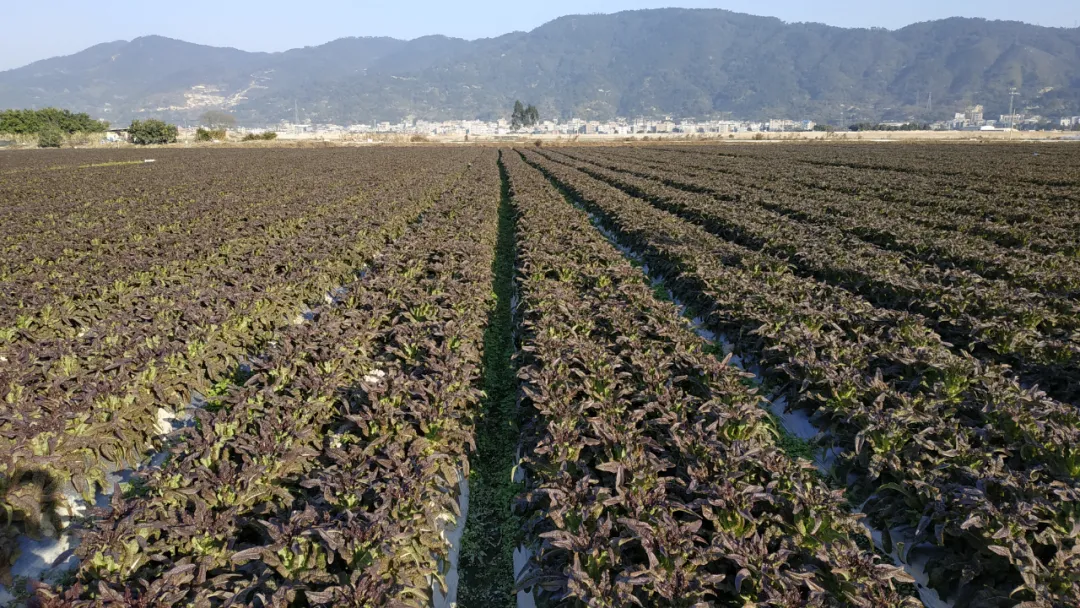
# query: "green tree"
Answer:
x=50 y=136
x=524 y=116
x=152 y=131
x=33 y=121
x=518 y=116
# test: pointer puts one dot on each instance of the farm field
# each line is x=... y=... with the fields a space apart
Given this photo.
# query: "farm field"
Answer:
x=733 y=375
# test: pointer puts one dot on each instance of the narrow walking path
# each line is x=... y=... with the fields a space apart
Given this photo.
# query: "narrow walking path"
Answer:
x=487 y=572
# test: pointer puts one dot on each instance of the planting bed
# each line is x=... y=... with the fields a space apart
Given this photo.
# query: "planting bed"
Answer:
x=657 y=376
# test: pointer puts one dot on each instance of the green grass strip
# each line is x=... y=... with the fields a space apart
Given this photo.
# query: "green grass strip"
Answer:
x=491 y=531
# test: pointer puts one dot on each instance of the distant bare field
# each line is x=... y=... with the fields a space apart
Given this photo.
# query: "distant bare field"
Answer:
x=318 y=140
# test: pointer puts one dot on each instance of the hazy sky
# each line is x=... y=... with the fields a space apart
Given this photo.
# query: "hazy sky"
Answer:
x=276 y=25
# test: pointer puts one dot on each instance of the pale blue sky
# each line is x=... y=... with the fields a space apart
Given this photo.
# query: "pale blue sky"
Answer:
x=61 y=27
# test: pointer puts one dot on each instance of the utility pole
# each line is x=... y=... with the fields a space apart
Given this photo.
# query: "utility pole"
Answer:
x=1012 y=117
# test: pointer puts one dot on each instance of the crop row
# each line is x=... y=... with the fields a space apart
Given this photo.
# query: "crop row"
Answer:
x=868 y=219
x=76 y=408
x=799 y=199
x=1019 y=327
x=994 y=211
x=949 y=451
x=1052 y=277
x=653 y=474
x=1037 y=171
x=331 y=475
x=60 y=238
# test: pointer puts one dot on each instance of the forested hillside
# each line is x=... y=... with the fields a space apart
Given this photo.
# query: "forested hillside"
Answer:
x=650 y=62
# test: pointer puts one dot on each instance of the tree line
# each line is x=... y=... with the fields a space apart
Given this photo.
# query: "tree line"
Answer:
x=53 y=125
x=909 y=126
x=32 y=122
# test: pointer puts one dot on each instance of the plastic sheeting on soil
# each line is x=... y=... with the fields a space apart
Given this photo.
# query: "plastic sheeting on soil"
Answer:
x=452 y=531
x=523 y=554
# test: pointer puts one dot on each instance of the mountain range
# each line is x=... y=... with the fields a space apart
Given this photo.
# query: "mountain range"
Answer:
x=679 y=62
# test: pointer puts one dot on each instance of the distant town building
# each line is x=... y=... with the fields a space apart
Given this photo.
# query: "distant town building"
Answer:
x=779 y=125
x=1008 y=120
x=972 y=119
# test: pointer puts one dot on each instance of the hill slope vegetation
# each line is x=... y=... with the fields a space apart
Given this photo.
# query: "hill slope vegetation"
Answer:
x=650 y=62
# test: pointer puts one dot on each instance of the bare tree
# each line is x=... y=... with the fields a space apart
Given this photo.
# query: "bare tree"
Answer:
x=217 y=119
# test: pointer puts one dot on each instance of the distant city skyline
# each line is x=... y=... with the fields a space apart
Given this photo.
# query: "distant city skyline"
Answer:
x=273 y=25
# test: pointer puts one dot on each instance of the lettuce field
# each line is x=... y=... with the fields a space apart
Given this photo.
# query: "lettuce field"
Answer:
x=738 y=375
